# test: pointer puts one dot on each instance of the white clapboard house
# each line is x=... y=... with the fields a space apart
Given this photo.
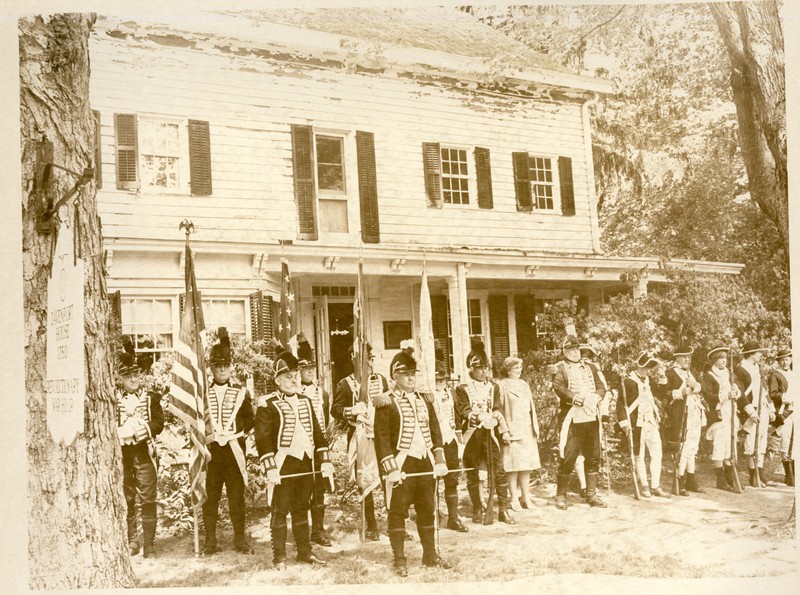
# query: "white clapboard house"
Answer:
x=398 y=138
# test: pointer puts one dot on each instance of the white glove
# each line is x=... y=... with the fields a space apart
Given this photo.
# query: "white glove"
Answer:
x=439 y=470
x=129 y=405
x=487 y=420
x=395 y=476
x=326 y=469
x=358 y=409
x=274 y=476
x=506 y=437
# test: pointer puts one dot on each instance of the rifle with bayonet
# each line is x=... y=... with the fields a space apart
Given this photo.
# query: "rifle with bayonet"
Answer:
x=629 y=432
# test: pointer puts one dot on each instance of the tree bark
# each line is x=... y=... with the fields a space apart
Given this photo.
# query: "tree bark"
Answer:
x=76 y=530
x=752 y=34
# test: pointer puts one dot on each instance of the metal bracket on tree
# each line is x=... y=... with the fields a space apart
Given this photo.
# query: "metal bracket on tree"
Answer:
x=44 y=167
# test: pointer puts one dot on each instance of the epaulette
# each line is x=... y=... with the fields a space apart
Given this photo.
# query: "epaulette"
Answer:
x=428 y=397
x=382 y=400
x=264 y=399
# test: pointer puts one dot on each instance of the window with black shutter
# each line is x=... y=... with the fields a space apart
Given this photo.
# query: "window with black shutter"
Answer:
x=199 y=158
x=522 y=182
x=304 y=187
x=367 y=187
x=525 y=319
x=440 y=318
x=432 y=165
x=567 y=189
x=498 y=328
x=483 y=173
x=127 y=152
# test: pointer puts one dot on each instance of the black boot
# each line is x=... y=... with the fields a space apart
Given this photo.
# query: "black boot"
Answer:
x=453 y=522
x=398 y=542
x=278 y=532
x=762 y=477
x=505 y=516
x=133 y=534
x=210 y=545
x=788 y=468
x=729 y=477
x=475 y=498
x=561 y=491
x=591 y=492
x=149 y=512
x=681 y=486
x=722 y=481
x=691 y=484
x=318 y=534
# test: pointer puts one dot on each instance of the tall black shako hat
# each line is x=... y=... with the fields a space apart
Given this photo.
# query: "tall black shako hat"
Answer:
x=221 y=351
x=284 y=362
x=402 y=362
x=305 y=354
x=570 y=342
x=127 y=364
x=477 y=358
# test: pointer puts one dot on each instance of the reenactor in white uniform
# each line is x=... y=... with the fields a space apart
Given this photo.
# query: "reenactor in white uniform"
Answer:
x=321 y=403
x=686 y=414
x=756 y=410
x=783 y=401
x=721 y=398
x=644 y=423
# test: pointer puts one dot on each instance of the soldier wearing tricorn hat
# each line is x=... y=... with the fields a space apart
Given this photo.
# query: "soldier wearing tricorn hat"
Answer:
x=721 y=398
x=589 y=356
x=686 y=415
x=644 y=422
x=580 y=389
x=292 y=449
x=480 y=418
x=230 y=409
x=347 y=408
x=783 y=400
x=139 y=420
x=320 y=400
x=756 y=411
x=408 y=443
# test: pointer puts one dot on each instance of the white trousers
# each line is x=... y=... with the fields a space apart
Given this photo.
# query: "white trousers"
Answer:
x=750 y=436
x=691 y=445
x=785 y=433
x=650 y=442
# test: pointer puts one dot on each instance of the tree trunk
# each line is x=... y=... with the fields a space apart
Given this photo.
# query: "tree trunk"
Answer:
x=752 y=34
x=76 y=531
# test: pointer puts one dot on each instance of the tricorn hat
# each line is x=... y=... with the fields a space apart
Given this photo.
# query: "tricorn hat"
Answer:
x=570 y=342
x=717 y=352
x=784 y=352
x=305 y=354
x=284 y=362
x=683 y=349
x=127 y=363
x=402 y=362
x=645 y=360
x=586 y=348
x=751 y=347
x=477 y=358
x=221 y=352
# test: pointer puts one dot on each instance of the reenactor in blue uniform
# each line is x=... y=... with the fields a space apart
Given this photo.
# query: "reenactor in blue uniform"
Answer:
x=292 y=448
x=139 y=420
x=321 y=403
x=408 y=444
x=346 y=408
x=230 y=410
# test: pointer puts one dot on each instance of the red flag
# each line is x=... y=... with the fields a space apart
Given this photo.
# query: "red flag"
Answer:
x=287 y=326
x=187 y=399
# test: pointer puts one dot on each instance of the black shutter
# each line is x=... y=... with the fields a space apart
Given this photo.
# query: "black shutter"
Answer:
x=483 y=171
x=304 y=192
x=127 y=151
x=583 y=304
x=367 y=187
x=267 y=320
x=432 y=163
x=200 y=157
x=115 y=314
x=522 y=181
x=498 y=328
x=439 y=315
x=98 y=152
x=256 y=331
x=181 y=303
x=524 y=318
x=567 y=189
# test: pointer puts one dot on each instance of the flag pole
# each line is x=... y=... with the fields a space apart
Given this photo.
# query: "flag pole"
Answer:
x=188 y=226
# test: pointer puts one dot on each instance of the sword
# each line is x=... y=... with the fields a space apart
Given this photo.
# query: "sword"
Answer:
x=271 y=486
x=390 y=485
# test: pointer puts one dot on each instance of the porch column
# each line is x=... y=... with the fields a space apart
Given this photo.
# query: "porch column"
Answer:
x=640 y=289
x=459 y=323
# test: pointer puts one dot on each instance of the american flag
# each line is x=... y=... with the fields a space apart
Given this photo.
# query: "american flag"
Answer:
x=427 y=344
x=187 y=398
x=361 y=451
x=288 y=316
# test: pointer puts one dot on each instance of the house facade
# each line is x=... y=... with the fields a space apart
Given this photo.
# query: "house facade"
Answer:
x=333 y=138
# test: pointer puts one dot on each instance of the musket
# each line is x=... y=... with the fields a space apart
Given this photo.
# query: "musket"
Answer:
x=737 y=484
x=629 y=434
x=676 y=457
x=758 y=429
x=436 y=519
x=271 y=486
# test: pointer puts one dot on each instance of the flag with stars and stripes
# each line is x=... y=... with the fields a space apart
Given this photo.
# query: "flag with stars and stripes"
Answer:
x=287 y=323
x=187 y=398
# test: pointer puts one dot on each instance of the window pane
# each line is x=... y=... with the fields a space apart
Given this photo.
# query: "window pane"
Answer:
x=330 y=163
x=329 y=150
x=331 y=177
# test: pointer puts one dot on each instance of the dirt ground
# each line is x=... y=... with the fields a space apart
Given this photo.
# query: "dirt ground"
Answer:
x=709 y=535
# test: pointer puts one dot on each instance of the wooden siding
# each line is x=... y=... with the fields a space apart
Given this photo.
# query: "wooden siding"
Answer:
x=250 y=104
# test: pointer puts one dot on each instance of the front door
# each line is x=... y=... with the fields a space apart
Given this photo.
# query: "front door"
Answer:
x=322 y=330
x=340 y=315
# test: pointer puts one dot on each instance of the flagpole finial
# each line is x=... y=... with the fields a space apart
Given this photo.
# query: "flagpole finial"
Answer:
x=188 y=226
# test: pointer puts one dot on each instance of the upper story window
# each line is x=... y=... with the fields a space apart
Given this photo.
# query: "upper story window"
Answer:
x=162 y=154
x=229 y=313
x=455 y=181
x=541 y=177
x=330 y=164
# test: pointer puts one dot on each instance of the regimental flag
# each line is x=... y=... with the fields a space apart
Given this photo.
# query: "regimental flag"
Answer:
x=188 y=398
x=361 y=455
x=287 y=324
x=427 y=346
